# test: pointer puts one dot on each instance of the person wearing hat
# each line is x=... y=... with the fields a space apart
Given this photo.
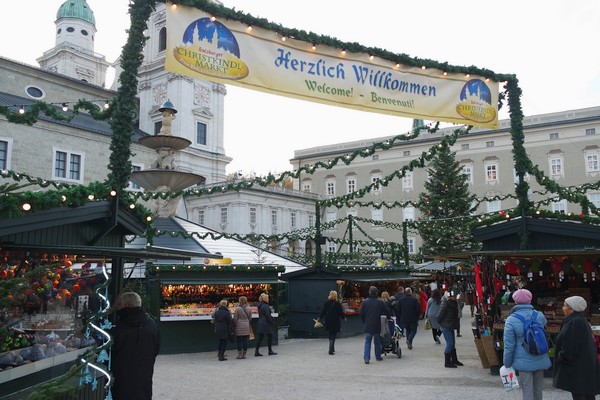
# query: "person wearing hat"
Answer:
x=576 y=365
x=530 y=367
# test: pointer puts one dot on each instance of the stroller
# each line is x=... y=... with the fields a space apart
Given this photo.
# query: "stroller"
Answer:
x=390 y=337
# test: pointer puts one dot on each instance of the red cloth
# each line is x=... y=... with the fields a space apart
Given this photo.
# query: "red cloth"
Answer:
x=478 y=287
x=423 y=299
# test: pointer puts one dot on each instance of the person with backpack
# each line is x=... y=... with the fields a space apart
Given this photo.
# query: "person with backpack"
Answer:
x=520 y=343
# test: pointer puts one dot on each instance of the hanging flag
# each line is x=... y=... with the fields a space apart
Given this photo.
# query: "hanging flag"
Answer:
x=478 y=287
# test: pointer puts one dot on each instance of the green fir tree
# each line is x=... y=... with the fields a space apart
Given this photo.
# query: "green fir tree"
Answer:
x=445 y=207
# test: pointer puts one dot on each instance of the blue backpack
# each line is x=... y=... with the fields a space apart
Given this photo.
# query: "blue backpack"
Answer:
x=535 y=341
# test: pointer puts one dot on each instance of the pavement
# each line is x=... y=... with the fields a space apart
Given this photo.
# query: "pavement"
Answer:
x=302 y=369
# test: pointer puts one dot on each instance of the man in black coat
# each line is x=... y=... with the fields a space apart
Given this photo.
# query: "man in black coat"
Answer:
x=371 y=310
x=136 y=343
x=410 y=309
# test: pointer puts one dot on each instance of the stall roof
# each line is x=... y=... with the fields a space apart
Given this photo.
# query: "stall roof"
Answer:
x=352 y=273
x=241 y=253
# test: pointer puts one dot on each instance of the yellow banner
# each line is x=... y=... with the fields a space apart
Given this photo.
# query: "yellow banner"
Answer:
x=232 y=53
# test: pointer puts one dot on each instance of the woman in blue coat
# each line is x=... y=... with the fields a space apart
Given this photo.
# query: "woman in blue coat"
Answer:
x=531 y=367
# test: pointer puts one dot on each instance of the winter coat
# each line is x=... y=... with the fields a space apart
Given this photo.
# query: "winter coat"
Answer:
x=241 y=320
x=576 y=365
x=265 y=319
x=515 y=354
x=136 y=343
x=423 y=298
x=410 y=309
x=448 y=315
x=371 y=310
x=332 y=313
x=223 y=321
x=432 y=311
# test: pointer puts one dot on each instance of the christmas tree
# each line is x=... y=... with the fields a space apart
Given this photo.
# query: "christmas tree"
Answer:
x=445 y=207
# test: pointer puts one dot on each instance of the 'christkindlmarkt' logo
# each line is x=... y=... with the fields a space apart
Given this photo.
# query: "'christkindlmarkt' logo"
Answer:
x=209 y=48
x=476 y=102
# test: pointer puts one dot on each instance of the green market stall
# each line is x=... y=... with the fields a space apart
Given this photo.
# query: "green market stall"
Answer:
x=184 y=297
x=308 y=290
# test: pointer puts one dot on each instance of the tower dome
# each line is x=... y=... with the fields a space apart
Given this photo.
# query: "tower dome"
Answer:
x=76 y=9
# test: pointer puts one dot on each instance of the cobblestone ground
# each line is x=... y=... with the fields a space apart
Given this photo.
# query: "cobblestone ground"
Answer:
x=302 y=369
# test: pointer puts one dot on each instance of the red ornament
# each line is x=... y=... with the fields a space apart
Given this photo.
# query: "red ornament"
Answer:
x=502 y=213
x=582 y=215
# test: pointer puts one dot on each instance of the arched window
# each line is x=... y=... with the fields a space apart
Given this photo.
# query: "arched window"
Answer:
x=162 y=39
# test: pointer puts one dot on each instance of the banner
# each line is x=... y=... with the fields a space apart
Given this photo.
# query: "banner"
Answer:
x=232 y=53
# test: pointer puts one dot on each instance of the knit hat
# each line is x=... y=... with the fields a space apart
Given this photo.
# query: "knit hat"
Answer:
x=522 y=296
x=577 y=303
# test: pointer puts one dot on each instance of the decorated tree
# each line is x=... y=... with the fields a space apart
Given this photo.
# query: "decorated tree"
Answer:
x=445 y=207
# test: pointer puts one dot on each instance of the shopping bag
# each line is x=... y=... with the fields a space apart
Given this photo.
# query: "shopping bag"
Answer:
x=427 y=324
x=318 y=324
x=509 y=378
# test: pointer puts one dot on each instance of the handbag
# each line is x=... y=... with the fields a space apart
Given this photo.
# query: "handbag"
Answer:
x=251 y=337
x=427 y=324
x=318 y=324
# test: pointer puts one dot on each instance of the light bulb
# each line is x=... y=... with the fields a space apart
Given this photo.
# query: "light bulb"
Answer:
x=65 y=107
x=22 y=110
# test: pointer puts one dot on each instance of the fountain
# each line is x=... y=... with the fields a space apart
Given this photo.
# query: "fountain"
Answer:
x=163 y=175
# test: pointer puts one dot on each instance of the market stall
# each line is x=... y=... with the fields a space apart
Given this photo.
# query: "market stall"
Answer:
x=562 y=260
x=308 y=290
x=188 y=294
x=45 y=302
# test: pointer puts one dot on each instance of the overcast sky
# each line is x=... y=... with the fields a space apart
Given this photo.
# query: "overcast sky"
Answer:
x=551 y=46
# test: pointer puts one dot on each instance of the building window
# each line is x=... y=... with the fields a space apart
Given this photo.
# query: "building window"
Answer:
x=35 y=92
x=351 y=184
x=594 y=199
x=201 y=133
x=252 y=216
x=3 y=154
x=157 y=127
x=330 y=216
x=224 y=215
x=407 y=180
x=556 y=166
x=330 y=187
x=559 y=206
x=273 y=217
x=293 y=220
x=553 y=136
x=491 y=172
x=591 y=162
x=409 y=214
x=311 y=220
x=375 y=182
x=162 y=39
x=68 y=166
x=377 y=214
x=307 y=186
x=134 y=186
x=467 y=171
x=489 y=144
x=201 y=217
x=375 y=157
x=331 y=247
x=406 y=153
x=493 y=206
x=353 y=212
x=410 y=242
x=464 y=146
x=590 y=131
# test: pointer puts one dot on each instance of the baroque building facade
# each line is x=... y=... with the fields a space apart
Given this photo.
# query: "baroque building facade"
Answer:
x=564 y=145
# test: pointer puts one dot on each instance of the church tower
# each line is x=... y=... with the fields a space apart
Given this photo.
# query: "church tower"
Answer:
x=200 y=105
x=73 y=53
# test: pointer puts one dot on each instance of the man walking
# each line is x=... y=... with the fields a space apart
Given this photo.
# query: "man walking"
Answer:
x=410 y=309
x=371 y=310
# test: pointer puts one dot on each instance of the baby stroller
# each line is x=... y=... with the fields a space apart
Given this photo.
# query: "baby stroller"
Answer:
x=390 y=337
